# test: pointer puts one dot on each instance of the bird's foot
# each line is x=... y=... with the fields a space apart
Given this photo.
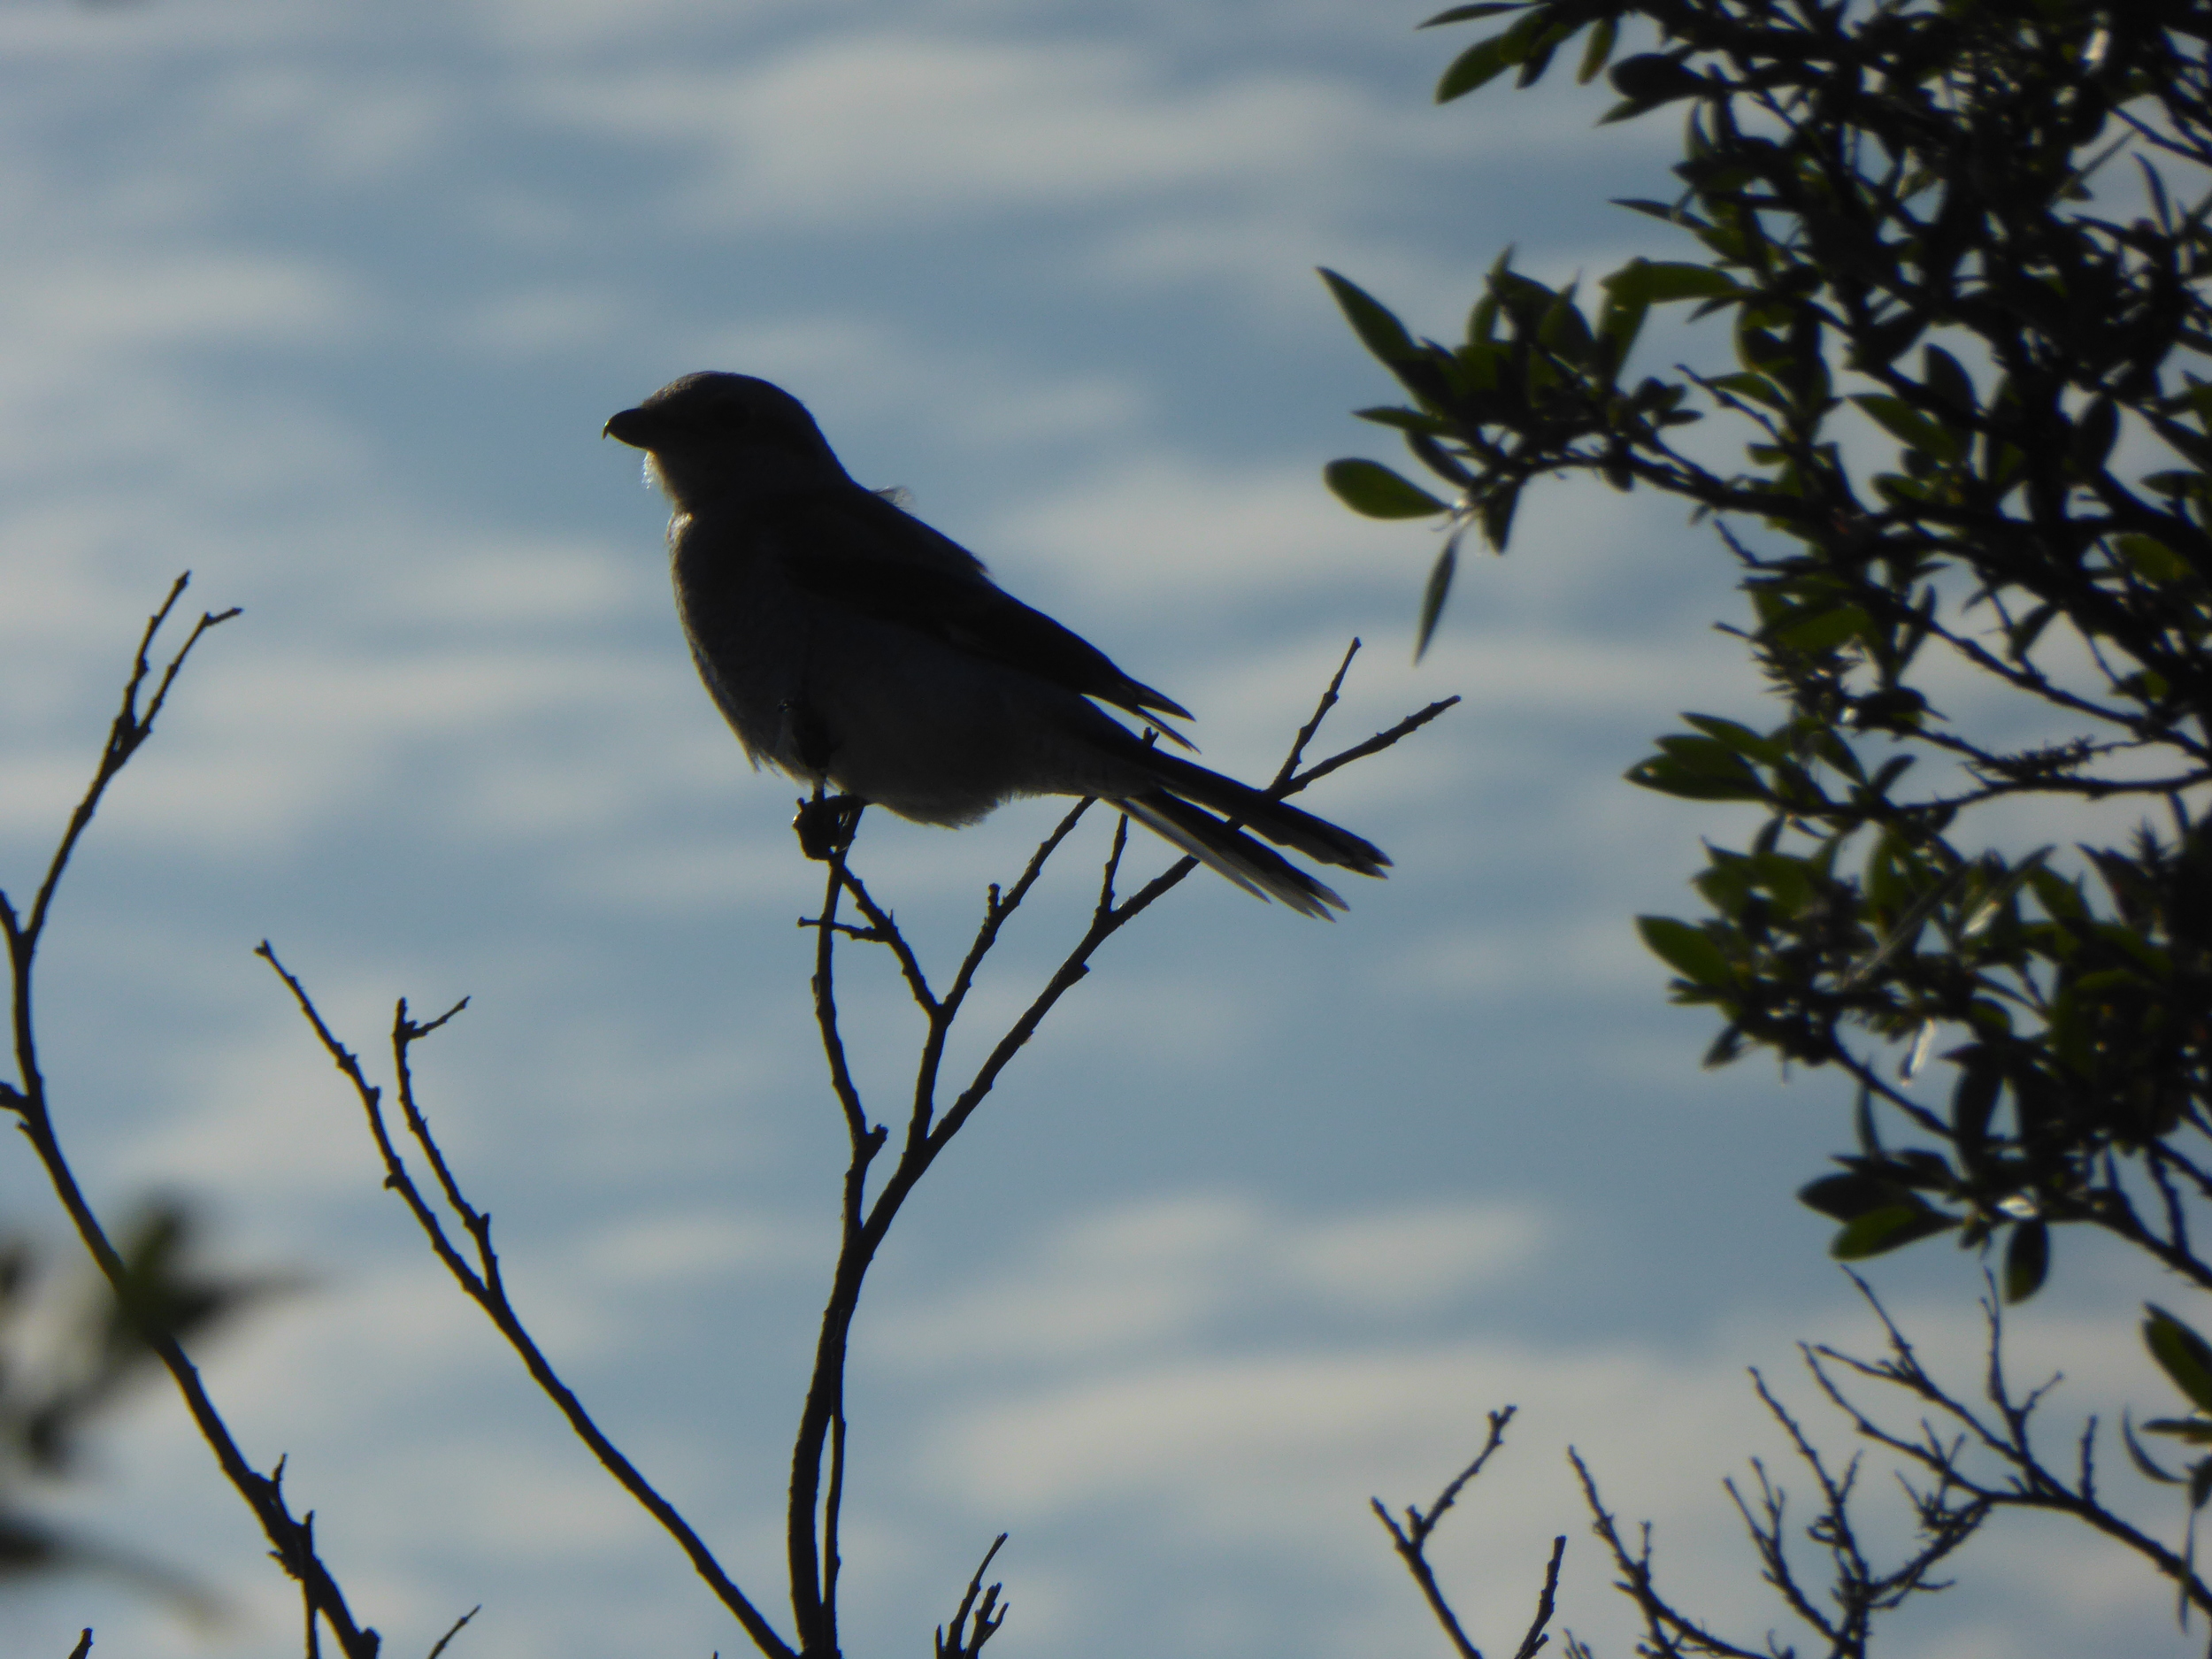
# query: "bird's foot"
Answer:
x=826 y=825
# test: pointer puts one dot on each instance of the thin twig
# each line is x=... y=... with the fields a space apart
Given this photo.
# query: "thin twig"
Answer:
x=456 y=1631
x=959 y=1644
x=483 y=1284
x=2027 y=1483
x=1374 y=745
x=886 y=931
x=1546 y=1602
x=291 y=1541
x=1411 y=1543
x=928 y=1133
x=1289 y=768
x=825 y=1008
x=812 y=1519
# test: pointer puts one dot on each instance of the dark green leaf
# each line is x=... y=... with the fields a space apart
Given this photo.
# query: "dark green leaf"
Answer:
x=1498 y=508
x=2021 y=637
x=2060 y=898
x=1597 y=50
x=1911 y=426
x=2146 y=684
x=1564 y=330
x=1689 y=950
x=1756 y=387
x=2027 y=1260
x=1917 y=1166
x=1974 y=1099
x=1699 y=769
x=1735 y=735
x=1823 y=630
x=1847 y=1196
x=1829 y=745
x=1671 y=212
x=2094 y=435
x=2152 y=559
x=1657 y=282
x=2001 y=893
x=1468 y=13
x=1377 y=326
x=1880 y=1231
x=1439 y=459
x=1480 y=64
x=1618 y=325
x=2181 y=1354
x=1664 y=775
x=1403 y=419
x=1433 y=596
x=1653 y=78
x=1946 y=379
x=1373 y=491
x=1892 y=708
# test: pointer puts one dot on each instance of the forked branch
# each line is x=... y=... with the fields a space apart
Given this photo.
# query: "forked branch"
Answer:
x=1412 y=1541
x=291 y=1540
x=460 y=1235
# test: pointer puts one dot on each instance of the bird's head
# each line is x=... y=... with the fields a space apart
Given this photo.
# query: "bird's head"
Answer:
x=712 y=435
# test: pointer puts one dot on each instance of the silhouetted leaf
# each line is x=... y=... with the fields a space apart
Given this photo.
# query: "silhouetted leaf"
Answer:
x=2027 y=1260
x=1890 y=1227
x=1689 y=950
x=1433 y=596
x=2181 y=1354
x=1377 y=326
x=1372 y=489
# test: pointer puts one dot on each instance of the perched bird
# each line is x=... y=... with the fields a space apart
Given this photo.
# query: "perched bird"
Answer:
x=851 y=645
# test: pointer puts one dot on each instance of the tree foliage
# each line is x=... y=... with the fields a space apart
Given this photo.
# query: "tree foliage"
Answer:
x=1963 y=455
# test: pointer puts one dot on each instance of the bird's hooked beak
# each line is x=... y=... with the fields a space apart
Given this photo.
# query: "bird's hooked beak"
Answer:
x=633 y=426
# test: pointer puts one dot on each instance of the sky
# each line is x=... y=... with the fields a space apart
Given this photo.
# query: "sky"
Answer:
x=327 y=303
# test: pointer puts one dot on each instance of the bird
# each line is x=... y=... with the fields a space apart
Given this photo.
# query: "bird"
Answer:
x=853 y=647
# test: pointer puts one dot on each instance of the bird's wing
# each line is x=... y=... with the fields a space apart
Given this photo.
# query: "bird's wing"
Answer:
x=864 y=553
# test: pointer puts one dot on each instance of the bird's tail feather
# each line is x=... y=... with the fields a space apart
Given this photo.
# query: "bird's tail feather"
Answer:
x=1283 y=824
x=1257 y=869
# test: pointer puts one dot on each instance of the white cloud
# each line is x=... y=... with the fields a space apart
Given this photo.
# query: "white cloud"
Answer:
x=1405 y=1259
x=849 y=366
x=534 y=29
x=521 y=583
x=1139 y=1414
x=270 y=1106
x=893 y=126
x=665 y=1248
x=1159 y=1271
x=542 y=322
x=184 y=297
x=348 y=125
x=1154 y=528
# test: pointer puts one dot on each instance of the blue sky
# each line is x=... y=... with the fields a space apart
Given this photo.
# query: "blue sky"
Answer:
x=327 y=303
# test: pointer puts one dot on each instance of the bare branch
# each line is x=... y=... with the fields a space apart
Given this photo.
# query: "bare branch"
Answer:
x=959 y=1642
x=1374 y=745
x=1289 y=768
x=291 y=1541
x=456 y=1631
x=1411 y=1543
x=482 y=1283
